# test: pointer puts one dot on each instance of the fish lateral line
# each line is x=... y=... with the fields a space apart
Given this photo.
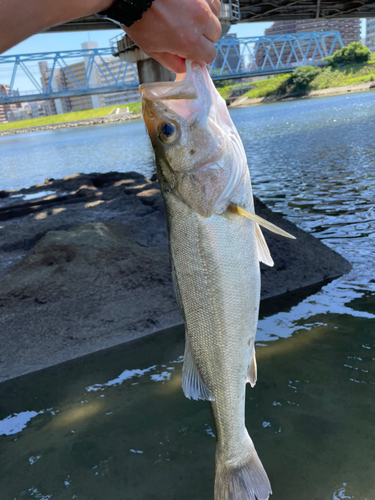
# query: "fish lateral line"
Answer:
x=236 y=209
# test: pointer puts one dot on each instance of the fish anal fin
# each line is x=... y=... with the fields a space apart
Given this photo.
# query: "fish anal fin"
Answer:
x=252 y=370
x=192 y=384
x=264 y=254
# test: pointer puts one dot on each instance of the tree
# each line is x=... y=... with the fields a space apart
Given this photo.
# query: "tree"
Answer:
x=299 y=80
x=354 y=53
x=303 y=76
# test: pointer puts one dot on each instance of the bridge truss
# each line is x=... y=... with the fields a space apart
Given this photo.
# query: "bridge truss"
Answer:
x=64 y=74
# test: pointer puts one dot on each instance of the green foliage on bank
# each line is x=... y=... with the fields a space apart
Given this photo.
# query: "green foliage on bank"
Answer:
x=307 y=78
x=302 y=77
x=134 y=107
x=232 y=89
x=263 y=88
x=354 y=53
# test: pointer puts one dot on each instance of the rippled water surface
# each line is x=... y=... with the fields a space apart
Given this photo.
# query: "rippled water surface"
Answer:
x=30 y=158
x=115 y=425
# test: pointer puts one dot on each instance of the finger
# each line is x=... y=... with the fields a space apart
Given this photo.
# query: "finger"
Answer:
x=203 y=52
x=215 y=6
x=212 y=30
x=174 y=63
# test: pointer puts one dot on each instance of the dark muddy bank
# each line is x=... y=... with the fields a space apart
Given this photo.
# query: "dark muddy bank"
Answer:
x=84 y=266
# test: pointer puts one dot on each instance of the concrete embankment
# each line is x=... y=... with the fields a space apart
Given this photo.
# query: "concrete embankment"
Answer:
x=84 y=266
x=244 y=101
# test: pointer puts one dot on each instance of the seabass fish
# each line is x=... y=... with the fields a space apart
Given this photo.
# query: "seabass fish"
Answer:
x=215 y=253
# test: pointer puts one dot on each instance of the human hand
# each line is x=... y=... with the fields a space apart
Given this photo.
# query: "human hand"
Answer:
x=171 y=31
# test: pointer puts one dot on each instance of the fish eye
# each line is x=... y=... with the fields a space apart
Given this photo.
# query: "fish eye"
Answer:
x=168 y=132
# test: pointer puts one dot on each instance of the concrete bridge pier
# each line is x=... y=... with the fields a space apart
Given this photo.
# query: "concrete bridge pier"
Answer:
x=149 y=70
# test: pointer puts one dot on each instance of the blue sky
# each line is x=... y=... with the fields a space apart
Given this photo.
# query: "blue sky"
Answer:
x=53 y=42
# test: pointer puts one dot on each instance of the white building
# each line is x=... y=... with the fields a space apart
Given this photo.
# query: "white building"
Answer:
x=102 y=76
x=19 y=114
x=116 y=66
x=28 y=110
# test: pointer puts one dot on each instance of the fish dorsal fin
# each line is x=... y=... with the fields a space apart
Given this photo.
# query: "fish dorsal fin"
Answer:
x=192 y=384
x=264 y=254
x=236 y=209
x=252 y=370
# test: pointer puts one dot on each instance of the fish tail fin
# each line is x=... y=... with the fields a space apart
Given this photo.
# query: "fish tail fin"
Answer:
x=244 y=481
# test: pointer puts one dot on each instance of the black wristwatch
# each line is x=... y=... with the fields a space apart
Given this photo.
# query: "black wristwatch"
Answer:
x=126 y=12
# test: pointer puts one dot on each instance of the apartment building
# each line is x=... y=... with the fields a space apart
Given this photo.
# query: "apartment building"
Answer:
x=56 y=106
x=228 y=57
x=370 y=34
x=65 y=79
x=6 y=108
x=117 y=67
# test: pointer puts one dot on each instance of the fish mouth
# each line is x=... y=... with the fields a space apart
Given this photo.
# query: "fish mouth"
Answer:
x=168 y=90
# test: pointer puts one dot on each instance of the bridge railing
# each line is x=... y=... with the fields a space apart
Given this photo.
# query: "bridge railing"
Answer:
x=272 y=54
x=65 y=74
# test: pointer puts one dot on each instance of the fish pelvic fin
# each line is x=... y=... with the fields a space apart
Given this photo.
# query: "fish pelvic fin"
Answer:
x=244 y=481
x=252 y=370
x=192 y=384
x=264 y=254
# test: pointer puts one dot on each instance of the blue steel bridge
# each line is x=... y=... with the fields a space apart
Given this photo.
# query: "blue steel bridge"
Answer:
x=236 y=58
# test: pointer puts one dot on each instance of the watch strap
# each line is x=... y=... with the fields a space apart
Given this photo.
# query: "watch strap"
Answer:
x=126 y=12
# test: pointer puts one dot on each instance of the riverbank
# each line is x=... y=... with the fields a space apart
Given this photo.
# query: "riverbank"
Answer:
x=77 y=123
x=240 y=102
x=244 y=101
x=116 y=113
x=328 y=81
x=84 y=265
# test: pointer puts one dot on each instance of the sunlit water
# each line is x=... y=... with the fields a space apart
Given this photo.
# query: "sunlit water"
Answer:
x=115 y=425
x=30 y=158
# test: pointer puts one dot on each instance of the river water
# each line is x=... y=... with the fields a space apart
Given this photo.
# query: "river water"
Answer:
x=115 y=425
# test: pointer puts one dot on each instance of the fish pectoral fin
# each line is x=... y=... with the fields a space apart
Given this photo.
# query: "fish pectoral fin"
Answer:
x=192 y=384
x=236 y=209
x=264 y=254
x=252 y=370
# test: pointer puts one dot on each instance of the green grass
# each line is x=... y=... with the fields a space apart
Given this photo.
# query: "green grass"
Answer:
x=345 y=75
x=134 y=107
